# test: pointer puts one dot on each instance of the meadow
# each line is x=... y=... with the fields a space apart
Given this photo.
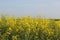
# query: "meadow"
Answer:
x=29 y=28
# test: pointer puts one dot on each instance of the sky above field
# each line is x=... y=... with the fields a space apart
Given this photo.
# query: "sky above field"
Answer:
x=43 y=8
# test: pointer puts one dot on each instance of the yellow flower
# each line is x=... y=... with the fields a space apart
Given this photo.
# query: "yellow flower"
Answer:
x=10 y=28
x=12 y=21
x=7 y=33
x=44 y=23
x=50 y=32
x=17 y=30
x=0 y=19
x=58 y=23
x=14 y=37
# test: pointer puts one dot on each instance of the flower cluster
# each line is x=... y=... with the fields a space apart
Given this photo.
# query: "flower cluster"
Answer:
x=28 y=28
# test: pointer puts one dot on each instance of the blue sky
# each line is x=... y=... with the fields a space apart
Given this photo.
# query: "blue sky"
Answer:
x=47 y=8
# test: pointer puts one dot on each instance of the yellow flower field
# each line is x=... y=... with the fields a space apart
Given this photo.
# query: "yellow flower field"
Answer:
x=29 y=28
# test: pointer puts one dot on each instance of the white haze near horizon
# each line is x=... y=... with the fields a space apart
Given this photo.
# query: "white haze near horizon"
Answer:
x=43 y=8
